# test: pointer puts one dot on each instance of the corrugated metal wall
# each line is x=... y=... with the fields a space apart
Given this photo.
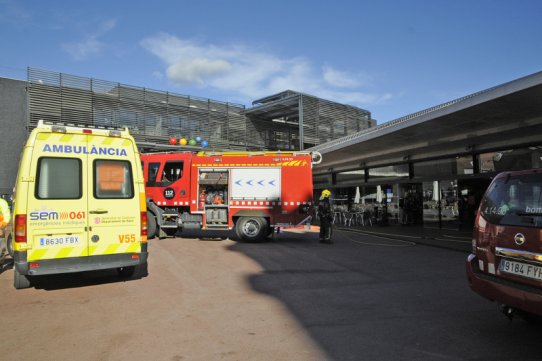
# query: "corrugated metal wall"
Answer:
x=152 y=116
x=334 y=120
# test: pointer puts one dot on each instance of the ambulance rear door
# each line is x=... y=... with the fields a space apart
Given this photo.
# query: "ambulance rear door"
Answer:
x=56 y=201
x=113 y=201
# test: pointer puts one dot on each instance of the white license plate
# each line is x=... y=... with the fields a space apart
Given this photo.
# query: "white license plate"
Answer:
x=60 y=241
x=521 y=269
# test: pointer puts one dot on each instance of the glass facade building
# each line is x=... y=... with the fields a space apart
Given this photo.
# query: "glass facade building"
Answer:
x=286 y=121
x=439 y=193
x=432 y=167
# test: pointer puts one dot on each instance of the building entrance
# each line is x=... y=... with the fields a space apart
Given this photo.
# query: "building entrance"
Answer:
x=433 y=204
x=411 y=203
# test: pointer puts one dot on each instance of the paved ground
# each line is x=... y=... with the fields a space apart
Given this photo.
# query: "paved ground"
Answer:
x=453 y=239
x=363 y=298
x=195 y=304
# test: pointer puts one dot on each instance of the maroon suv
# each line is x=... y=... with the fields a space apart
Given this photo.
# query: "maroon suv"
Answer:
x=506 y=263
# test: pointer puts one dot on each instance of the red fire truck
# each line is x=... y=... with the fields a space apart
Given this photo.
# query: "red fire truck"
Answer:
x=251 y=192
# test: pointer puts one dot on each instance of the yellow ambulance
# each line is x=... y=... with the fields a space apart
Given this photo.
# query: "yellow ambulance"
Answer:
x=79 y=203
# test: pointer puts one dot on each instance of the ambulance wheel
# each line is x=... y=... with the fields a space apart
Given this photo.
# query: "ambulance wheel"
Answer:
x=20 y=281
x=9 y=246
x=151 y=225
x=251 y=229
x=126 y=272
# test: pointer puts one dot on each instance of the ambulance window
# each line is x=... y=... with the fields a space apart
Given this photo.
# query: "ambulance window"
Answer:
x=173 y=171
x=58 y=178
x=153 y=172
x=113 y=179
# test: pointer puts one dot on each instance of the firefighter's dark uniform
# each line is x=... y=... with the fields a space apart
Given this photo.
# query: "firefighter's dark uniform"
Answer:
x=325 y=214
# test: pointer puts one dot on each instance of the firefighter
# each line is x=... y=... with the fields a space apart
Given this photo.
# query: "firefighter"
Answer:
x=4 y=221
x=4 y=216
x=325 y=214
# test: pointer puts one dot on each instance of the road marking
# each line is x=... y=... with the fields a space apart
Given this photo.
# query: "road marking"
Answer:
x=404 y=243
x=378 y=234
x=456 y=237
x=451 y=240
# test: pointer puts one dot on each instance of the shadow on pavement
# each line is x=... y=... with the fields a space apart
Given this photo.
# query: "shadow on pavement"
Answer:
x=359 y=301
x=84 y=279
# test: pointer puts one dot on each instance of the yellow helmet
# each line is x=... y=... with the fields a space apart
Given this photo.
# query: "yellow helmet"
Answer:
x=326 y=193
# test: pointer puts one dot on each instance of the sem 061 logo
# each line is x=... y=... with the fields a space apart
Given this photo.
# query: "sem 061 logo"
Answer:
x=53 y=215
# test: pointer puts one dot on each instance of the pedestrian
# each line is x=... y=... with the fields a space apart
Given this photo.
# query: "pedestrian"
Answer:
x=325 y=214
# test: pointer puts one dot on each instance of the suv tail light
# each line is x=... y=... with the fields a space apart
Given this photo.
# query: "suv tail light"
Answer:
x=20 y=228
x=478 y=232
x=480 y=223
x=144 y=224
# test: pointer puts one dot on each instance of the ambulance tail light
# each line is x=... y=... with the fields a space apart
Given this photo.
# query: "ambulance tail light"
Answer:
x=20 y=228
x=144 y=223
x=87 y=131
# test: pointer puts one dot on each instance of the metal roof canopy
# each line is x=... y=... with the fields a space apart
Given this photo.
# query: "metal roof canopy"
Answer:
x=502 y=117
x=281 y=105
x=285 y=104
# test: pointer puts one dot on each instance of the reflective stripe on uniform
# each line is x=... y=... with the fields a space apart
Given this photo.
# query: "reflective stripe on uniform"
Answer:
x=4 y=209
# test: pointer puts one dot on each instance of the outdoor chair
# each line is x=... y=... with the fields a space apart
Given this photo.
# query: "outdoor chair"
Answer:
x=348 y=217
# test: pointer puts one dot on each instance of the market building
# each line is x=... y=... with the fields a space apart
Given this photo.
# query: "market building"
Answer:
x=432 y=167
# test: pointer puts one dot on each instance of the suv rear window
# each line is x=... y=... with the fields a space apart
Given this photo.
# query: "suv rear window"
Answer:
x=515 y=201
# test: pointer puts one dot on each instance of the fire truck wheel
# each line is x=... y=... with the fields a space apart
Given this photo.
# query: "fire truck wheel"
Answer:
x=20 y=281
x=251 y=229
x=151 y=225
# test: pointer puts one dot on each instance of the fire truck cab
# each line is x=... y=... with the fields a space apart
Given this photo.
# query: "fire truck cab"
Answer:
x=251 y=192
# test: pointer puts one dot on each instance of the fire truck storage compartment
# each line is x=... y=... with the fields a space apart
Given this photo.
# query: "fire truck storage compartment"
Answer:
x=216 y=214
x=213 y=188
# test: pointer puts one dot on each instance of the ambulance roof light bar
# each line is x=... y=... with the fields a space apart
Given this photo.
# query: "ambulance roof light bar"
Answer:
x=61 y=127
x=81 y=125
